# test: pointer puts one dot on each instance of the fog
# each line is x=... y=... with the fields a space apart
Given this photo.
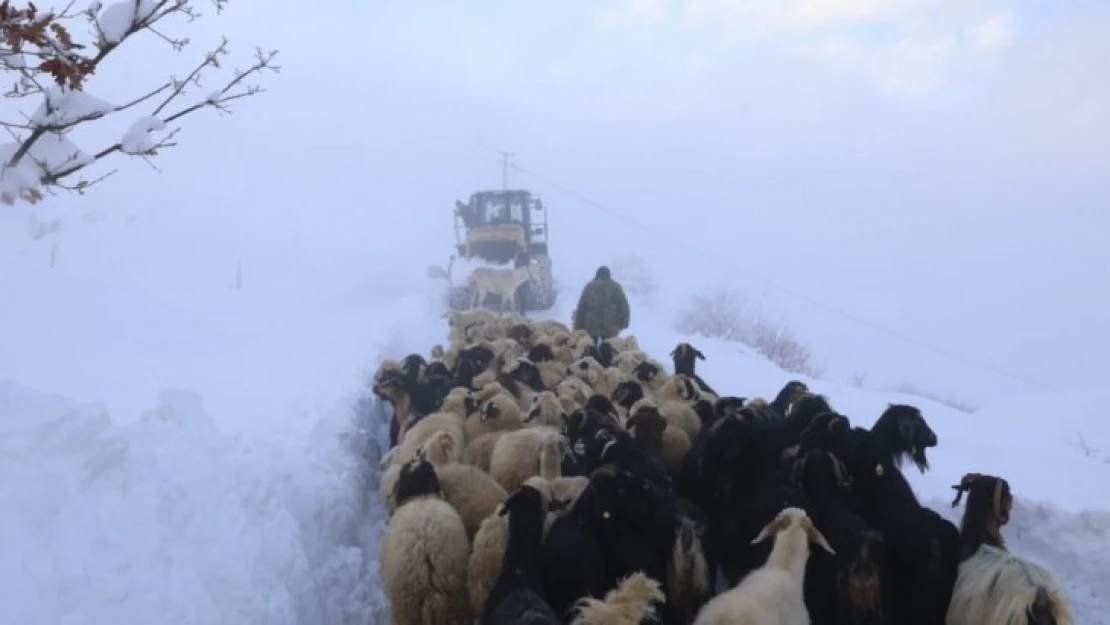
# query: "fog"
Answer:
x=918 y=189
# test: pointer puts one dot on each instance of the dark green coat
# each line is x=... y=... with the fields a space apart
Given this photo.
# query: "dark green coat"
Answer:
x=602 y=308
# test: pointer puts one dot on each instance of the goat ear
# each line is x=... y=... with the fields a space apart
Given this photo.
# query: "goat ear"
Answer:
x=816 y=536
x=1000 y=502
x=699 y=355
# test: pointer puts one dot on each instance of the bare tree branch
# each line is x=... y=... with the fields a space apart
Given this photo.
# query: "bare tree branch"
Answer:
x=36 y=45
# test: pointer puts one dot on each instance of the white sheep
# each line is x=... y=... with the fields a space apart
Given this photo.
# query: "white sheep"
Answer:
x=516 y=455
x=995 y=586
x=771 y=594
x=424 y=554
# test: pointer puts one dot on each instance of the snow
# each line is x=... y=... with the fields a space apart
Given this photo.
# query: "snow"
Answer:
x=116 y=20
x=176 y=450
x=52 y=152
x=61 y=107
x=138 y=138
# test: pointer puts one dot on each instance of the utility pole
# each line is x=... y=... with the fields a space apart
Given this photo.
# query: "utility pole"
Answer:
x=505 y=170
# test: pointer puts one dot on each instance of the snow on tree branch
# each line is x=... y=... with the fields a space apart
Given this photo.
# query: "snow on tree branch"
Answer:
x=50 y=65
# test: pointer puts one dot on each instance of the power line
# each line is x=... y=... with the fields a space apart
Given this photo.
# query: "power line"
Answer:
x=770 y=283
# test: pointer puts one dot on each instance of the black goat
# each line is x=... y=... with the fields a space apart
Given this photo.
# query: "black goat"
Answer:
x=517 y=595
x=573 y=562
x=923 y=547
x=846 y=588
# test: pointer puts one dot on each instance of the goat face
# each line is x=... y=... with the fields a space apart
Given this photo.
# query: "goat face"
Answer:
x=865 y=553
x=914 y=433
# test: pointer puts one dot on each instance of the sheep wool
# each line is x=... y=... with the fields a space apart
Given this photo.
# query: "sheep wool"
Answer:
x=471 y=491
x=630 y=603
x=424 y=559
x=995 y=587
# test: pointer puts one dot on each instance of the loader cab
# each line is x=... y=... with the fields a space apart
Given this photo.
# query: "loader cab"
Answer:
x=500 y=226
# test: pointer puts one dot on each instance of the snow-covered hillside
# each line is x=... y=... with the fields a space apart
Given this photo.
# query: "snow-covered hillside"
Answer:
x=173 y=456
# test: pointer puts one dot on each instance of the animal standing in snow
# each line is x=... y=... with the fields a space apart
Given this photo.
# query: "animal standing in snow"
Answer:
x=504 y=282
x=995 y=586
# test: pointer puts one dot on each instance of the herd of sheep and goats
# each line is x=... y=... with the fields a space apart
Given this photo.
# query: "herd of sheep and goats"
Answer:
x=538 y=476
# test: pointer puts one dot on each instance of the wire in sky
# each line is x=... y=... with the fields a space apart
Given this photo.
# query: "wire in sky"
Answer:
x=698 y=250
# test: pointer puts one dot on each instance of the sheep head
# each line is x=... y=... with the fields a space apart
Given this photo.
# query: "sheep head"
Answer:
x=605 y=354
x=479 y=356
x=603 y=406
x=586 y=369
x=461 y=402
x=525 y=372
x=413 y=366
x=439 y=449
x=646 y=371
x=728 y=407
x=522 y=333
x=417 y=478
x=499 y=406
x=904 y=430
x=680 y=386
x=524 y=502
x=392 y=387
x=646 y=423
x=547 y=409
x=541 y=352
x=684 y=355
x=628 y=393
x=790 y=518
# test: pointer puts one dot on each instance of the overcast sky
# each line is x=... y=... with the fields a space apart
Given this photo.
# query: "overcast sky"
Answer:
x=936 y=168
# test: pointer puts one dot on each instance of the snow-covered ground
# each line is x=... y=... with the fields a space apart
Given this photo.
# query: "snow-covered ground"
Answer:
x=180 y=451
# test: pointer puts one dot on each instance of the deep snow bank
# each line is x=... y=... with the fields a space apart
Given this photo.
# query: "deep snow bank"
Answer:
x=248 y=499
x=168 y=519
